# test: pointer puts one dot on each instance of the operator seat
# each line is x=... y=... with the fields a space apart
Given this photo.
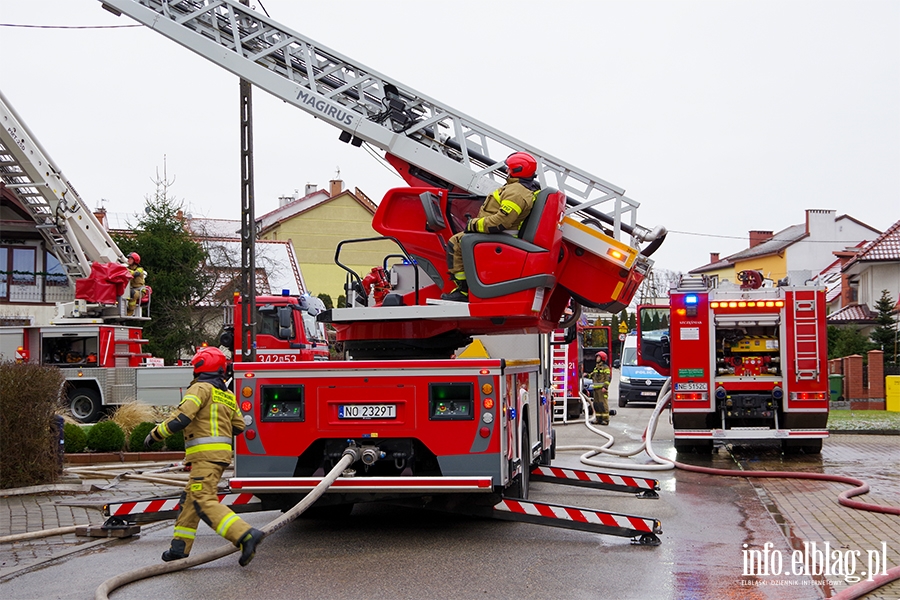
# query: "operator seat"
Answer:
x=499 y=264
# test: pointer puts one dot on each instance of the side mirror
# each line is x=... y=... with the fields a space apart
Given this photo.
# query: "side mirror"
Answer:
x=617 y=364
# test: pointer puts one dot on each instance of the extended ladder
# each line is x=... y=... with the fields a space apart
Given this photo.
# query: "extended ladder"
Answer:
x=71 y=230
x=441 y=144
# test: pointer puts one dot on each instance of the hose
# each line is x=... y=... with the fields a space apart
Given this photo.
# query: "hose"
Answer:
x=350 y=455
x=19 y=537
x=851 y=593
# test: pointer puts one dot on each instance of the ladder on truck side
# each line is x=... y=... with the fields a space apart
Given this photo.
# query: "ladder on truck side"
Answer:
x=806 y=335
x=434 y=142
x=70 y=229
x=559 y=380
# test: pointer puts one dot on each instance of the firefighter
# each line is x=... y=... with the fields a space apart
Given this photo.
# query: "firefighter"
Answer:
x=601 y=376
x=209 y=416
x=138 y=281
x=505 y=209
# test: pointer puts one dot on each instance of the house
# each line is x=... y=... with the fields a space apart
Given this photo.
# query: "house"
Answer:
x=797 y=253
x=316 y=223
x=864 y=274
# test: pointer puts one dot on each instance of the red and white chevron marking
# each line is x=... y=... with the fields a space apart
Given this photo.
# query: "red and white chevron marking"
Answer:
x=579 y=515
x=167 y=504
x=647 y=484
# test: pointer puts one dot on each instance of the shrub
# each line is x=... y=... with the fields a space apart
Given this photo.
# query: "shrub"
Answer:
x=29 y=397
x=175 y=442
x=136 y=443
x=130 y=415
x=106 y=436
x=76 y=438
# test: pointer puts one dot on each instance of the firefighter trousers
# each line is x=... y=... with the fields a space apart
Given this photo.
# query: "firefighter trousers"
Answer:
x=200 y=500
x=601 y=407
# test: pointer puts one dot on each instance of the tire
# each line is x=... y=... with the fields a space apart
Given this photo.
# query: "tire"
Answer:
x=623 y=401
x=85 y=405
x=519 y=488
x=792 y=447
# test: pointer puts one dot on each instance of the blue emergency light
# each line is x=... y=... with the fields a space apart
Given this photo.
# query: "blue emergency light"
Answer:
x=691 y=300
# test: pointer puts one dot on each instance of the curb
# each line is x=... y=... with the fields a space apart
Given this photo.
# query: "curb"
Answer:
x=865 y=431
x=89 y=458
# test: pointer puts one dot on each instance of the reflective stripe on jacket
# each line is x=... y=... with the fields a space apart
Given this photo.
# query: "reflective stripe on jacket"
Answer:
x=214 y=419
x=505 y=209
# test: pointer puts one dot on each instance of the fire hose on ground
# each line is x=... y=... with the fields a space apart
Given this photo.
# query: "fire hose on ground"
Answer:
x=659 y=464
x=349 y=456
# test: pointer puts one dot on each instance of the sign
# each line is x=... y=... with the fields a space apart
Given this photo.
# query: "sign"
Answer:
x=623 y=327
x=621 y=337
x=686 y=373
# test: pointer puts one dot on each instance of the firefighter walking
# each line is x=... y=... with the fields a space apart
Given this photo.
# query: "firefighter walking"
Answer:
x=209 y=416
x=601 y=376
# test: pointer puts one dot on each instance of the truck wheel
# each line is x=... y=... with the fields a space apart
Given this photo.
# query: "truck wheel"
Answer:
x=806 y=446
x=519 y=488
x=84 y=403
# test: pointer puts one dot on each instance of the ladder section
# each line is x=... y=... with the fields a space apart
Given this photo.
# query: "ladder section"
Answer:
x=559 y=381
x=370 y=107
x=70 y=229
x=806 y=335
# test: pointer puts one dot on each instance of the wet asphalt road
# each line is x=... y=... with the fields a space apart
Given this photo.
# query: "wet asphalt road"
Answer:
x=384 y=551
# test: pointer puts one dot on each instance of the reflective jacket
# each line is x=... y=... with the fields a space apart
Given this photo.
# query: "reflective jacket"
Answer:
x=601 y=376
x=505 y=209
x=209 y=417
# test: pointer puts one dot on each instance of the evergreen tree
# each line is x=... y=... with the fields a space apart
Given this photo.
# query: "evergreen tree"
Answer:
x=326 y=300
x=848 y=341
x=174 y=265
x=885 y=333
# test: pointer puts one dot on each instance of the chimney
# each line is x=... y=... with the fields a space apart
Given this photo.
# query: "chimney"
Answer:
x=820 y=223
x=100 y=213
x=337 y=186
x=310 y=189
x=757 y=237
x=713 y=257
x=846 y=290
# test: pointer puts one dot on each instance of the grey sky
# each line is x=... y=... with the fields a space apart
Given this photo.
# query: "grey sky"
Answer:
x=717 y=116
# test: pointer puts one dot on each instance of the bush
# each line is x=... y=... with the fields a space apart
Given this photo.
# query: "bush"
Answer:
x=136 y=443
x=76 y=438
x=29 y=397
x=175 y=442
x=106 y=436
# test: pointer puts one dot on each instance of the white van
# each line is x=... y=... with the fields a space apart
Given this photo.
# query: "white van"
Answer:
x=636 y=383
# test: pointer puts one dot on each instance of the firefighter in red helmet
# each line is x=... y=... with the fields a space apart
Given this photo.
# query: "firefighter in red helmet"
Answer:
x=601 y=376
x=138 y=281
x=505 y=209
x=209 y=416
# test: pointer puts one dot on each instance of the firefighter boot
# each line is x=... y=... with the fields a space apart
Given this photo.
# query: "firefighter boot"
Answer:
x=175 y=552
x=460 y=294
x=248 y=545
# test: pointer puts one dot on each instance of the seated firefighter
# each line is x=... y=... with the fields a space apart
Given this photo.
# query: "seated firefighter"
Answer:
x=505 y=209
x=138 y=281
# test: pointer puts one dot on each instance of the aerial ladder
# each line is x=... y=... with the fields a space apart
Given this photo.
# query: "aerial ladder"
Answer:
x=442 y=154
x=71 y=231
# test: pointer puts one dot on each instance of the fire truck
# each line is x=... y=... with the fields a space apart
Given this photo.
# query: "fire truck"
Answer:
x=465 y=434
x=747 y=362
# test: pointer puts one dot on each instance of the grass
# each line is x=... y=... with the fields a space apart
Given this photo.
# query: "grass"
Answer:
x=863 y=420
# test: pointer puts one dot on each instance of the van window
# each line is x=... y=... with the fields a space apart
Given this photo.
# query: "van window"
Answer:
x=629 y=357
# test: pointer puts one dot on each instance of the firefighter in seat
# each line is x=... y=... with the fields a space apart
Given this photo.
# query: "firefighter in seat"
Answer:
x=601 y=376
x=505 y=209
x=209 y=416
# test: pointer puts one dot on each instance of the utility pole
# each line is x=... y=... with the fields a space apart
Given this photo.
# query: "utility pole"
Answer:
x=248 y=223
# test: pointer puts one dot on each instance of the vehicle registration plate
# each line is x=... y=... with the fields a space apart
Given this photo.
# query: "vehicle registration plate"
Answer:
x=648 y=393
x=367 y=411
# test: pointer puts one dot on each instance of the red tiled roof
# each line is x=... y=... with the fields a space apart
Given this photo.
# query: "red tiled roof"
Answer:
x=884 y=247
x=855 y=313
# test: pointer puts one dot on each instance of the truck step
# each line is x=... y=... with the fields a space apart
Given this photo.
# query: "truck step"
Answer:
x=157 y=509
x=644 y=488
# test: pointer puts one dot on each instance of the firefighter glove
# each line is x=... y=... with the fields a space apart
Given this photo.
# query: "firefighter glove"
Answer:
x=148 y=441
x=472 y=225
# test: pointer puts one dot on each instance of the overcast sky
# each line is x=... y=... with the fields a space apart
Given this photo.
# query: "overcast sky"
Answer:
x=719 y=117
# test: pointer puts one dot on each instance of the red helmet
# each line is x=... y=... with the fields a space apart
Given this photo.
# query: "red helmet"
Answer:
x=602 y=356
x=135 y=257
x=521 y=164
x=209 y=360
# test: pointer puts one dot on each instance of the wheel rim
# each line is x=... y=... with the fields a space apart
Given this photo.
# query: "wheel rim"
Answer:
x=81 y=407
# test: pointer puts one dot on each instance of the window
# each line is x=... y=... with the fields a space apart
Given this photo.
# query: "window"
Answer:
x=56 y=274
x=23 y=266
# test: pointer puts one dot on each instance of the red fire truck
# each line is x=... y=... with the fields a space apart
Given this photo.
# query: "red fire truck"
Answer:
x=747 y=362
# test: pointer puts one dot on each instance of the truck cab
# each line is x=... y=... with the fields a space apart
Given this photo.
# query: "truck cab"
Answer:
x=637 y=383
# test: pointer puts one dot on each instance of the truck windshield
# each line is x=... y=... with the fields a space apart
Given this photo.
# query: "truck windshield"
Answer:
x=629 y=357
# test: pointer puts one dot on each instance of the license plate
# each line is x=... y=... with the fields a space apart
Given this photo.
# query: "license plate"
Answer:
x=687 y=387
x=367 y=411
x=648 y=393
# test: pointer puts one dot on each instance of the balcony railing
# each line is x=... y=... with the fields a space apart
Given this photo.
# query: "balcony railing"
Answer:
x=35 y=288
